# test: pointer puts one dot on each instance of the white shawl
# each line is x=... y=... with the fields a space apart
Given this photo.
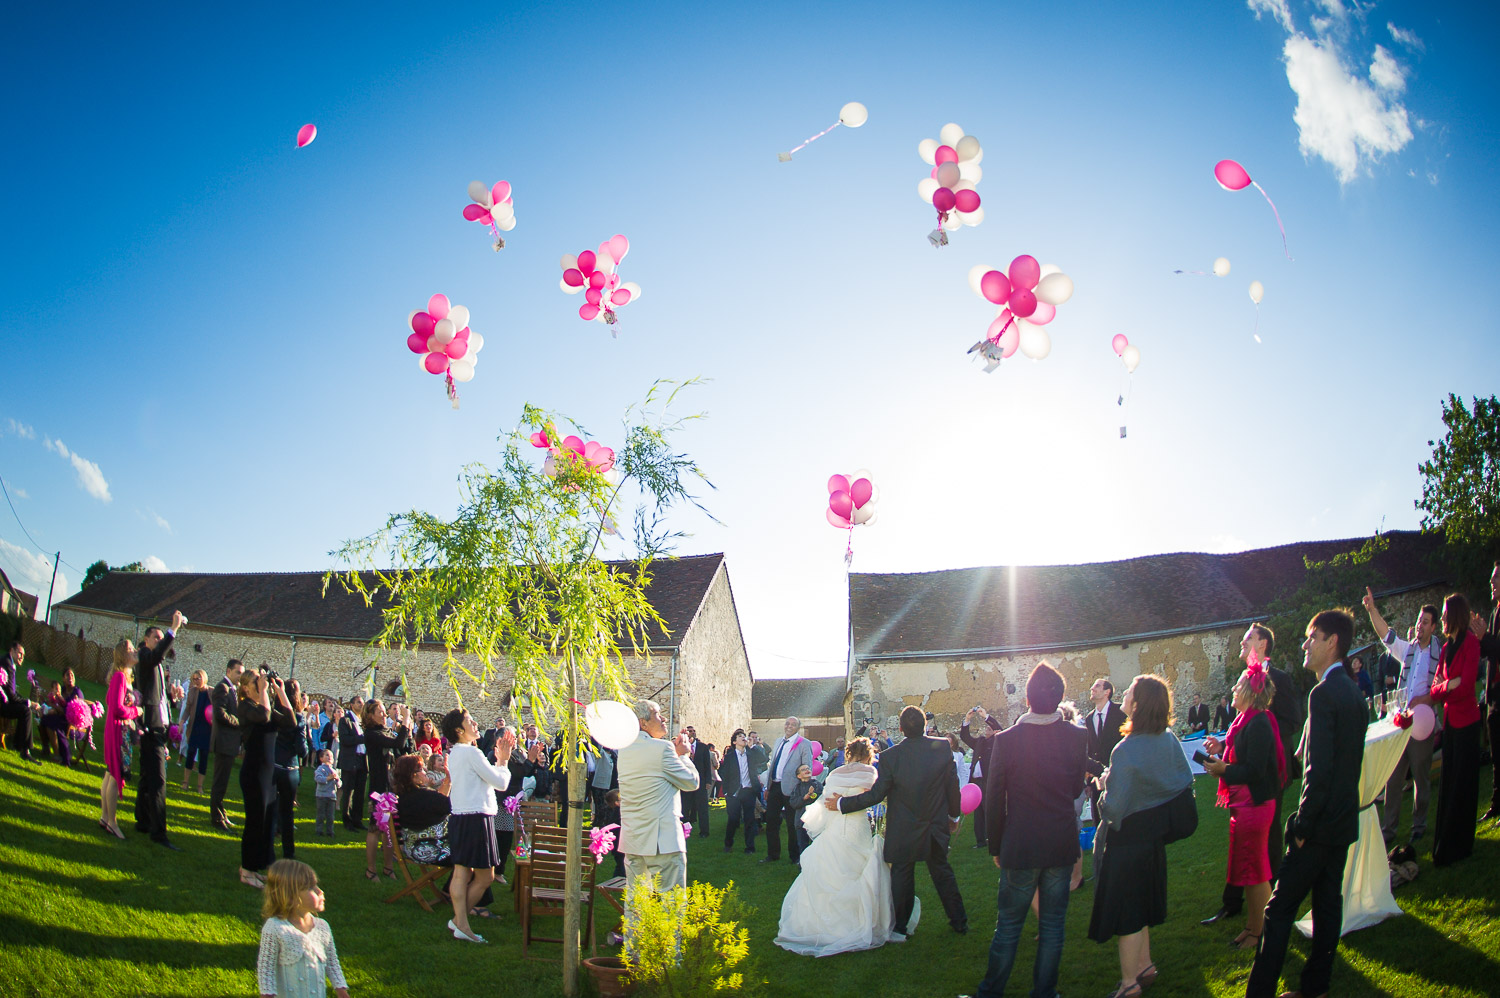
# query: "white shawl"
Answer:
x=846 y=781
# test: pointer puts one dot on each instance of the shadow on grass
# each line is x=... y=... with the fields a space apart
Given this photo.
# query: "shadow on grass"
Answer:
x=166 y=952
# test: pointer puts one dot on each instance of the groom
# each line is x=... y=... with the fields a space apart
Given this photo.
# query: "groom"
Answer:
x=919 y=778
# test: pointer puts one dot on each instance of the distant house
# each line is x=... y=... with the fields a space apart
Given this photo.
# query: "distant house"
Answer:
x=15 y=602
x=950 y=640
x=817 y=703
x=697 y=668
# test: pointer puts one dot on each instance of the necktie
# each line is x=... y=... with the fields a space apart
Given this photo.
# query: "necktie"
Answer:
x=776 y=762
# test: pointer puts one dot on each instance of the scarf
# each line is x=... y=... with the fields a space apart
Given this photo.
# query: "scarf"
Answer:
x=1032 y=718
x=1240 y=721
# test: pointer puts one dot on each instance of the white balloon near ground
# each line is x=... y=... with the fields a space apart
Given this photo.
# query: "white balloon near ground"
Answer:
x=853 y=114
x=480 y=194
x=927 y=149
x=507 y=225
x=444 y=331
x=976 y=273
x=1131 y=357
x=1257 y=291
x=1035 y=342
x=972 y=218
x=1221 y=267
x=459 y=316
x=971 y=171
x=967 y=148
x=568 y=289
x=1054 y=289
x=950 y=135
x=948 y=174
x=611 y=723
x=462 y=370
x=926 y=188
x=1048 y=269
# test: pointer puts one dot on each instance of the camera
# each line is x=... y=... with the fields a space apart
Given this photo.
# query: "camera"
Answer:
x=269 y=672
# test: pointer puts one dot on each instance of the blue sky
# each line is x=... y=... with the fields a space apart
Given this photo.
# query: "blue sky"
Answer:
x=206 y=325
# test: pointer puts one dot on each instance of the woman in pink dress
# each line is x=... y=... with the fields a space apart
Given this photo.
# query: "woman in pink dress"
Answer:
x=117 y=714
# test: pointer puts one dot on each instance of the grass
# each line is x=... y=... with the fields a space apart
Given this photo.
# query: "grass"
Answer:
x=88 y=915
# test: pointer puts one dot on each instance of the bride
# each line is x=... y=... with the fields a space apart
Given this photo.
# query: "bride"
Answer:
x=841 y=901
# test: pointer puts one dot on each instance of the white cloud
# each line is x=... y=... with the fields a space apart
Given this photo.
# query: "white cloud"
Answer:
x=1276 y=8
x=1340 y=117
x=161 y=521
x=31 y=572
x=152 y=563
x=21 y=430
x=90 y=478
x=1386 y=73
x=20 y=493
x=1408 y=38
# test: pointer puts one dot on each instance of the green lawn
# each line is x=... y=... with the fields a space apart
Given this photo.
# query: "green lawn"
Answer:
x=84 y=914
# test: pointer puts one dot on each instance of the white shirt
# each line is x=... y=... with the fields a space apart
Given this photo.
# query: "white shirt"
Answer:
x=744 y=767
x=358 y=730
x=474 y=780
x=788 y=747
x=1416 y=663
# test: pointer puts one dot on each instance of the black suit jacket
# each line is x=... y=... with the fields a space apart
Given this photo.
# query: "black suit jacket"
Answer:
x=1290 y=711
x=1224 y=716
x=1198 y=717
x=1489 y=647
x=225 y=737
x=1333 y=742
x=729 y=772
x=1102 y=744
x=922 y=786
x=349 y=741
x=703 y=761
x=1032 y=778
x=151 y=684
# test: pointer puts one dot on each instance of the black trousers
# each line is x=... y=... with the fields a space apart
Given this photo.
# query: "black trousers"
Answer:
x=695 y=810
x=257 y=850
x=352 y=794
x=504 y=841
x=740 y=809
x=904 y=886
x=776 y=813
x=151 y=792
x=1493 y=720
x=1458 y=796
x=19 y=710
x=287 y=782
x=223 y=768
x=1234 y=895
x=1309 y=868
x=981 y=836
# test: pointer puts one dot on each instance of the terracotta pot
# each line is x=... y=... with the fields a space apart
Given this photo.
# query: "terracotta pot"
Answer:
x=609 y=976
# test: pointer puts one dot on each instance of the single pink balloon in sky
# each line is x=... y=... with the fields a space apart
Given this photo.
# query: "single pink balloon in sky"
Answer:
x=1119 y=343
x=1230 y=175
x=306 y=134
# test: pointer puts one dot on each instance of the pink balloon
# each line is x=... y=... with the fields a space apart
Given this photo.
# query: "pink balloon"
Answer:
x=586 y=261
x=842 y=504
x=1002 y=321
x=966 y=201
x=596 y=279
x=462 y=334
x=436 y=363
x=838 y=483
x=1230 y=175
x=995 y=287
x=933 y=174
x=1010 y=341
x=1022 y=303
x=618 y=247
x=842 y=522
x=575 y=444
x=860 y=492
x=573 y=277
x=593 y=296
x=970 y=797
x=817 y=747
x=208 y=714
x=417 y=343
x=1423 y=720
x=473 y=211
x=613 y=282
x=817 y=767
x=620 y=296
x=1025 y=272
x=424 y=324
x=306 y=134
x=456 y=348
x=438 y=306
x=501 y=192
x=943 y=199
x=945 y=154
x=588 y=313
x=1044 y=314
x=1119 y=343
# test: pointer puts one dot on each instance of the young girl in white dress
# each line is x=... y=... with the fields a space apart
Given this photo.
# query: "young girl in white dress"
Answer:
x=297 y=957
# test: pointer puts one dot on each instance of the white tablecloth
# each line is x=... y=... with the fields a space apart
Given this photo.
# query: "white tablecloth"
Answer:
x=1367 y=877
x=1194 y=743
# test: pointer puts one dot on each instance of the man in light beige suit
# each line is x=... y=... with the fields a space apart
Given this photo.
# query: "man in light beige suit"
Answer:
x=653 y=772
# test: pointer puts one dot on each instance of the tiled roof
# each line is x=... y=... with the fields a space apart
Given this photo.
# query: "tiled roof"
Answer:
x=799 y=697
x=293 y=602
x=1059 y=605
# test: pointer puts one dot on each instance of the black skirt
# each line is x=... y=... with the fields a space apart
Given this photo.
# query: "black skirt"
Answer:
x=1130 y=890
x=471 y=840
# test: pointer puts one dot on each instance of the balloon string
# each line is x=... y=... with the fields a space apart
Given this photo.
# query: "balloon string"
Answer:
x=816 y=137
x=849 y=549
x=1256 y=331
x=1003 y=328
x=1278 y=218
x=1200 y=273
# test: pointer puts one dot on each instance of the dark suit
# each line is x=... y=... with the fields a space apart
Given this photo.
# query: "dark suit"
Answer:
x=739 y=800
x=922 y=786
x=1198 y=717
x=17 y=708
x=352 y=769
x=1224 y=715
x=695 y=802
x=151 y=690
x=1327 y=823
x=225 y=743
x=1489 y=647
x=1101 y=742
x=982 y=746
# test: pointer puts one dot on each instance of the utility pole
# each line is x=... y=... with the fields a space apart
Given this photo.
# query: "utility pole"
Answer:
x=55 y=559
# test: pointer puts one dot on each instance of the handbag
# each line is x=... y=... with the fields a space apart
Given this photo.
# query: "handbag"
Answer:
x=1182 y=816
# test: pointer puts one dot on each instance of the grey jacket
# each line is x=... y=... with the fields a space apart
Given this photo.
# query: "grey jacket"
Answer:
x=798 y=755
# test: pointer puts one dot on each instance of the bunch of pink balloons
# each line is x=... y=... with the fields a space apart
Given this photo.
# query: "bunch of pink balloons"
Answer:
x=447 y=345
x=574 y=452
x=1027 y=294
x=596 y=275
x=950 y=188
x=851 y=502
x=492 y=207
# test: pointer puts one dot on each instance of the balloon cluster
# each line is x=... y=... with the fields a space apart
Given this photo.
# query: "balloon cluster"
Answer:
x=572 y=454
x=492 y=207
x=1028 y=296
x=443 y=338
x=851 y=502
x=950 y=188
x=1130 y=356
x=595 y=274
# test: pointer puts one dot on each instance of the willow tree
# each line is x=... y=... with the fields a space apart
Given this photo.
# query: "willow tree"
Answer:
x=516 y=584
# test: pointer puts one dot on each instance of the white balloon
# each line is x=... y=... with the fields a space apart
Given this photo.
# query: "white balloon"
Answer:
x=503 y=212
x=927 y=149
x=604 y=263
x=853 y=114
x=1049 y=269
x=948 y=175
x=461 y=370
x=1054 y=289
x=1257 y=291
x=1035 y=343
x=471 y=358
x=568 y=261
x=926 y=188
x=978 y=157
x=1221 y=267
x=476 y=342
x=422 y=360
x=950 y=134
x=634 y=289
x=964 y=185
x=1131 y=355
x=955 y=219
x=971 y=171
x=974 y=217
x=611 y=723
x=443 y=331
x=967 y=148
x=460 y=316
x=480 y=194
x=865 y=513
x=975 y=273
x=507 y=225
x=567 y=288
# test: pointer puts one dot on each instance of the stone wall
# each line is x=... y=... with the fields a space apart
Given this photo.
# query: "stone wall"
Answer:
x=713 y=671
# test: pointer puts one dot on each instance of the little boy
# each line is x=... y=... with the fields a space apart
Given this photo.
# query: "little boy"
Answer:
x=327 y=794
x=806 y=792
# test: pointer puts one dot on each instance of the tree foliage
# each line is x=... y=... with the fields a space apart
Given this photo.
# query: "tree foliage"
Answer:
x=1461 y=487
x=99 y=569
x=689 y=942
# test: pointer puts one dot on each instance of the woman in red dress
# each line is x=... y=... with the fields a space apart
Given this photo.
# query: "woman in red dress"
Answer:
x=117 y=714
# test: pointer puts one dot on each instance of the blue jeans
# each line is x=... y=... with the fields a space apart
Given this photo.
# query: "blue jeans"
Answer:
x=1016 y=889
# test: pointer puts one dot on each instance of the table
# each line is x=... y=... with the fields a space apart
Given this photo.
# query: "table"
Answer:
x=1367 y=878
x=1194 y=743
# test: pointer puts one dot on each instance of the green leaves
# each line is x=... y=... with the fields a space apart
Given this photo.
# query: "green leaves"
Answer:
x=1461 y=481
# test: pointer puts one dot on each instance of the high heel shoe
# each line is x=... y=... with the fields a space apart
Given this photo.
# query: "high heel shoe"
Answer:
x=1245 y=940
x=461 y=934
x=1145 y=977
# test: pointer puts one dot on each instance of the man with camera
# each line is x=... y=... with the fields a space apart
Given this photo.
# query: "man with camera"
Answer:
x=151 y=692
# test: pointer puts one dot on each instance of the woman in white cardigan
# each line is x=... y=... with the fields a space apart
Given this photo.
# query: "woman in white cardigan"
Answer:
x=471 y=826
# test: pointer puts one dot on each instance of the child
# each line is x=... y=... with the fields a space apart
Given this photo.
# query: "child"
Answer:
x=327 y=796
x=296 y=946
x=436 y=766
x=807 y=791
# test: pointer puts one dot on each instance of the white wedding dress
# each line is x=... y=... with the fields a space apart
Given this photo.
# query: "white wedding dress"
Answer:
x=841 y=901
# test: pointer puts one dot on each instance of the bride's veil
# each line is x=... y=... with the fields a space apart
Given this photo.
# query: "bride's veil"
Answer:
x=846 y=781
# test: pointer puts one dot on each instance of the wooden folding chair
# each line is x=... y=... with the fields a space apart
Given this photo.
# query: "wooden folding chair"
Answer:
x=426 y=879
x=546 y=890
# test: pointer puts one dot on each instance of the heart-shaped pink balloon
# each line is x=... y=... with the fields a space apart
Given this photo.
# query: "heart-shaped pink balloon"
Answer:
x=842 y=504
x=838 y=483
x=861 y=491
x=437 y=306
x=842 y=522
x=618 y=247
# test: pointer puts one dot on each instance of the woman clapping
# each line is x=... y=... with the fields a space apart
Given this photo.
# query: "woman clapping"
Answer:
x=471 y=828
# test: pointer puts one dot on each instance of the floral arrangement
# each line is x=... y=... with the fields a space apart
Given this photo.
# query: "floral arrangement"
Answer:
x=382 y=809
x=4 y=677
x=602 y=842
x=96 y=707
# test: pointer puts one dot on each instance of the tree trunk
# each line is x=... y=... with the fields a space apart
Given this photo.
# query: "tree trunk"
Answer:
x=577 y=777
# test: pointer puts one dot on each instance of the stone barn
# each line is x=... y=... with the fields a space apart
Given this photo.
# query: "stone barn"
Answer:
x=818 y=703
x=697 y=669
